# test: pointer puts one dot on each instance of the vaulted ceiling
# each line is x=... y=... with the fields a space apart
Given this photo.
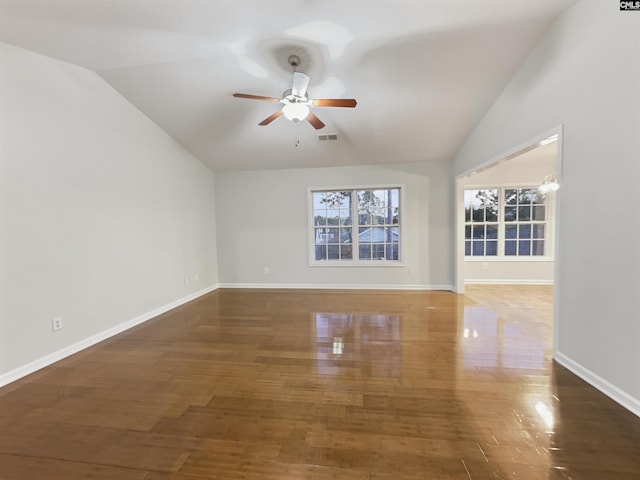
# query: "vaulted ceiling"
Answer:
x=424 y=72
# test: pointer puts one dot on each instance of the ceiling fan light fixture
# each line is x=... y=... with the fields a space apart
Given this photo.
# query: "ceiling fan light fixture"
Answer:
x=295 y=111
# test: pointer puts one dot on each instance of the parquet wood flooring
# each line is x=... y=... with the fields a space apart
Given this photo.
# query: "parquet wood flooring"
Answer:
x=315 y=385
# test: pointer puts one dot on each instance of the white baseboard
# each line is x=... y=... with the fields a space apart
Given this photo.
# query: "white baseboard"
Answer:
x=47 y=360
x=334 y=286
x=620 y=396
x=506 y=281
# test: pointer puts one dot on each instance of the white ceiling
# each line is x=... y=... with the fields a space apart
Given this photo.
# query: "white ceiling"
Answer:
x=424 y=72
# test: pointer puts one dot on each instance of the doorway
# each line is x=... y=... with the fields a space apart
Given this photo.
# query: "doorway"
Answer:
x=512 y=240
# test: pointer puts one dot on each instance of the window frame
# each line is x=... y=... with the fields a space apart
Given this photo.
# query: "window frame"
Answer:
x=355 y=261
x=549 y=226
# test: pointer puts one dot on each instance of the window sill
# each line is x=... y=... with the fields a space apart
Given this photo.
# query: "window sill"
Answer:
x=362 y=264
x=509 y=259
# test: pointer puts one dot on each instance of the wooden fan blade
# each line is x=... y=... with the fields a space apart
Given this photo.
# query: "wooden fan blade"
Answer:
x=315 y=121
x=335 y=102
x=270 y=118
x=255 y=97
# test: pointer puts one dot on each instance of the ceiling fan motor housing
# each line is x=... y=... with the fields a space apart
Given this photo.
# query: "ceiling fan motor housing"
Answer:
x=289 y=97
x=294 y=61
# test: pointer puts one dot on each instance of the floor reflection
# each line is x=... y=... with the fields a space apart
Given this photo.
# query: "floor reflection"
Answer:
x=373 y=341
x=490 y=341
x=282 y=384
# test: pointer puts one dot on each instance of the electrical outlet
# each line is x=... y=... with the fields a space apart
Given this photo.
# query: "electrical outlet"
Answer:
x=265 y=270
x=196 y=277
x=186 y=281
x=485 y=265
x=56 y=323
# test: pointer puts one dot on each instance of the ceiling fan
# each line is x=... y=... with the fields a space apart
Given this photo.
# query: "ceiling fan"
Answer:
x=296 y=102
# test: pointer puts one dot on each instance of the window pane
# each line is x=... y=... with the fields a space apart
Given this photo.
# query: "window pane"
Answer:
x=377 y=251
x=492 y=214
x=538 y=231
x=321 y=252
x=333 y=252
x=478 y=231
x=345 y=235
x=526 y=196
x=332 y=235
x=331 y=199
x=492 y=231
x=538 y=247
x=524 y=247
x=320 y=219
x=371 y=201
x=478 y=247
x=467 y=214
x=539 y=197
x=395 y=234
x=492 y=247
x=366 y=235
x=511 y=231
x=365 y=252
x=346 y=252
x=510 y=247
x=524 y=214
x=321 y=235
x=510 y=214
x=539 y=213
x=470 y=199
x=390 y=215
x=467 y=248
x=511 y=196
x=525 y=231
x=395 y=198
x=394 y=249
x=478 y=214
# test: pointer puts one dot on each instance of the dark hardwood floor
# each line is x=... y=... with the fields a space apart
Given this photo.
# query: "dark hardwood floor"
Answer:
x=292 y=385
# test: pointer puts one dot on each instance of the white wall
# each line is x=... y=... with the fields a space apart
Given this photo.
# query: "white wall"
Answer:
x=585 y=74
x=101 y=213
x=527 y=169
x=262 y=222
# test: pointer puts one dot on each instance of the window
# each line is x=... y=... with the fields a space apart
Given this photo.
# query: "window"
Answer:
x=524 y=219
x=481 y=222
x=505 y=222
x=356 y=226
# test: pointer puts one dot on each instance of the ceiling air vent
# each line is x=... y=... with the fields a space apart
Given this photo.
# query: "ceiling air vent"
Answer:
x=327 y=136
